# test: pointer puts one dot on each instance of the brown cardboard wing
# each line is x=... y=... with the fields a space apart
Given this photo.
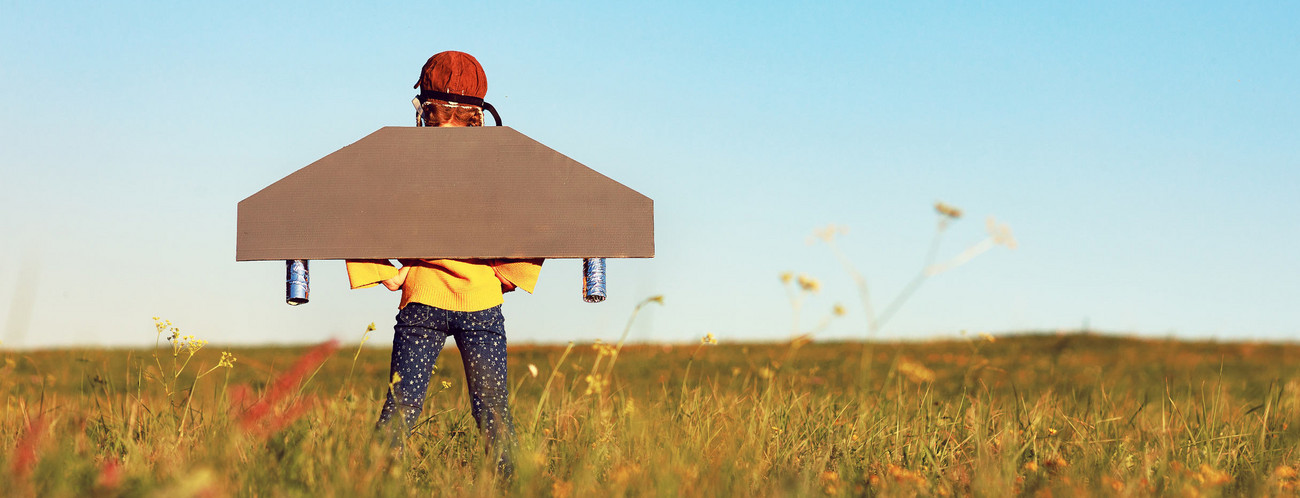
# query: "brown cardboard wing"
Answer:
x=483 y=192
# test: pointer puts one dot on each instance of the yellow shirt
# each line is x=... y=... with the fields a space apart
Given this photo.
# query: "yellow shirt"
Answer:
x=451 y=284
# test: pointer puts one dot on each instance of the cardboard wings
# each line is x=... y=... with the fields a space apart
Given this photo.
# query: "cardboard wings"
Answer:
x=431 y=193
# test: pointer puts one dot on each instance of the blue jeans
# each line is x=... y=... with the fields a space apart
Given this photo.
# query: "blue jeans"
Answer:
x=418 y=338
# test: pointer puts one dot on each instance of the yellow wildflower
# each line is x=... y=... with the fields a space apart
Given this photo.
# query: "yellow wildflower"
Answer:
x=904 y=476
x=227 y=360
x=830 y=482
x=193 y=345
x=709 y=339
x=1000 y=233
x=1285 y=472
x=947 y=210
x=786 y=277
x=603 y=349
x=596 y=383
x=829 y=232
x=915 y=372
x=1210 y=476
x=808 y=283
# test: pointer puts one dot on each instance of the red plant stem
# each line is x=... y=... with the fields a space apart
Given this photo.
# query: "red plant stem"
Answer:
x=284 y=384
x=25 y=454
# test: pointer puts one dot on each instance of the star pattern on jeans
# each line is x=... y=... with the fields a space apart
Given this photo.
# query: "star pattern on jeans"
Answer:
x=418 y=339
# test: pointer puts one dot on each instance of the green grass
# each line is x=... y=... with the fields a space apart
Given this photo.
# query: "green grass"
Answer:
x=1069 y=414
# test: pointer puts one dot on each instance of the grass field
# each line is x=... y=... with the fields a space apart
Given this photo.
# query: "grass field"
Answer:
x=1061 y=414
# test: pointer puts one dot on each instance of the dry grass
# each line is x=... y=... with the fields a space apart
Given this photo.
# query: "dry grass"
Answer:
x=1069 y=414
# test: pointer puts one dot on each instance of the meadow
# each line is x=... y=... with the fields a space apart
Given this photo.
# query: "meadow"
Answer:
x=1058 y=414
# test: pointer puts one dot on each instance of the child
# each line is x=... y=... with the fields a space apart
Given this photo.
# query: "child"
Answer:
x=450 y=297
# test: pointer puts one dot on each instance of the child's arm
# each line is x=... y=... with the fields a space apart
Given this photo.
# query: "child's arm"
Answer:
x=367 y=272
x=517 y=273
x=396 y=281
x=506 y=285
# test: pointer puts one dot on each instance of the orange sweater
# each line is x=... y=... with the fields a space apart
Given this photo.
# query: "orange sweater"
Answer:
x=451 y=284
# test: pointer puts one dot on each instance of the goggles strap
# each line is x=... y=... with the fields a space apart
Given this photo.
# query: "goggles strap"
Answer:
x=426 y=95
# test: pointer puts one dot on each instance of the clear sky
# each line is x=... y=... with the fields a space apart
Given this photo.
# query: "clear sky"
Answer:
x=1146 y=155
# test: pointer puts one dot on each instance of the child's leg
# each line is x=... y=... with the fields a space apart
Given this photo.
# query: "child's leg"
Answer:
x=417 y=339
x=481 y=337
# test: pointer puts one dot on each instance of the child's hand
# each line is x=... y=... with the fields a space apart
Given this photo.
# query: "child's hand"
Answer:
x=396 y=282
x=506 y=286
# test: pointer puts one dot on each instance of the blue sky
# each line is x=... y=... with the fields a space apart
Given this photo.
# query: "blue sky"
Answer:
x=1145 y=156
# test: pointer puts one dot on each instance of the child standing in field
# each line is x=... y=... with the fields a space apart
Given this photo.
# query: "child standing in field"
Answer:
x=450 y=297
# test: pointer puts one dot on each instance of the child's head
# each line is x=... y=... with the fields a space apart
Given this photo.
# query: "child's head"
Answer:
x=456 y=73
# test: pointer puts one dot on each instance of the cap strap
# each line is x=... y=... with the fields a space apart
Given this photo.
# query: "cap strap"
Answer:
x=460 y=99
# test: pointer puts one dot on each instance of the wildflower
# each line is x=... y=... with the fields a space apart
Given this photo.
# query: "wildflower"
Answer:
x=904 y=476
x=1051 y=431
x=1030 y=466
x=1210 y=476
x=809 y=284
x=800 y=340
x=838 y=309
x=947 y=211
x=603 y=349
x=1055 y=463
x=282 y=385
x=532 y=370
x=596 y=383
x=1000 y=233
x=828 y=233
x=786 y=277
x=766 y=373
x=25 y=454
x=1285 y=472
x=110 y=474
x=915 y=372
x=561 y=489
x=193 y=345
x=1114 y=484
x=987 y=337
x=227 y=360
x=830 y=482
x=371 y=327
x=709 y=339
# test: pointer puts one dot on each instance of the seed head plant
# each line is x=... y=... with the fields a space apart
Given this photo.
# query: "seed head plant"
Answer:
x=997 y=234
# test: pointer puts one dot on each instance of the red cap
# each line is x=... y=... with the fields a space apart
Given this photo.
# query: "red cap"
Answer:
x=453 y=72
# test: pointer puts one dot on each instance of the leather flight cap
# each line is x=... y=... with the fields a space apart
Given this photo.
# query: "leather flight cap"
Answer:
x=427 y=95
